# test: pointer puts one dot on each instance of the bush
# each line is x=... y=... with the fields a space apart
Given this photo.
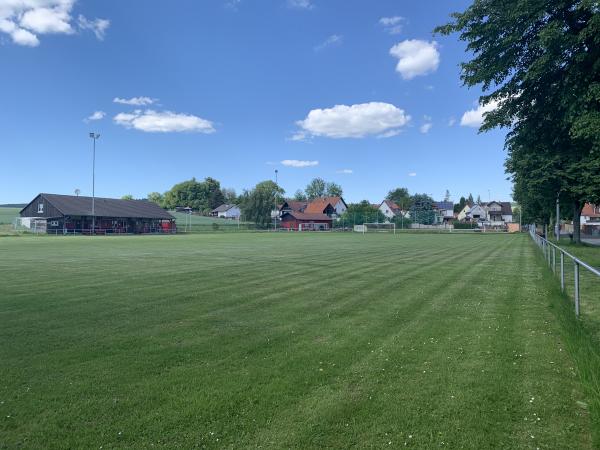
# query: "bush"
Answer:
x=464 y=225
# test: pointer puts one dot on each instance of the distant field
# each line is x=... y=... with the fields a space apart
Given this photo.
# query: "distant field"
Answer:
x=238 y=340
x=7 y=215
x=202 y=223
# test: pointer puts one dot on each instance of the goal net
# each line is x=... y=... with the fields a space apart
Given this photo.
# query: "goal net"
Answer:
x=379 y=228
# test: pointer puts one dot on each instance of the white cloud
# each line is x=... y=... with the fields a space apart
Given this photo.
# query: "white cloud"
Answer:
x=97 y=115
x=135 y=101
x=333 y=40
x=300 y=4
x=451 y=121
x=355 y=121
x=416 y=57
x=425 y=127
x=164 y=122
x=474 y=117
x=345 y=171
x=298 y=163
x=392 y=25
x=412 y=174
x=24 y=20
x=48 y=20
x=97 y=26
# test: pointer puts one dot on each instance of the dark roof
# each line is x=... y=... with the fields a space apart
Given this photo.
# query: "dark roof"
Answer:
x=505 y=207
x=306 y=216
x=223 y=208
x=443 y=205
x=70 y=205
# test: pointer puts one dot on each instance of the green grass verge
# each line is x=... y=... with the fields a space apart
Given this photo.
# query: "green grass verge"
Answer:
x=7 y=215
x=290 y=341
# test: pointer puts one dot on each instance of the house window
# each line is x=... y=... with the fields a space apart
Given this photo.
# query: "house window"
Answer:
x=54 y=223
x=40 y=208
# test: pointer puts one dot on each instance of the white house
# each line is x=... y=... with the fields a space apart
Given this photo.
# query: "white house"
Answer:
x=498 y=213
x=477 y=213
x=389 y=209
x=464 y=213
x=227 y=212
x=444 y=211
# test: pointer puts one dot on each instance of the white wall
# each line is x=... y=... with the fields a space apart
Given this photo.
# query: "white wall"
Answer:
x=386 y=211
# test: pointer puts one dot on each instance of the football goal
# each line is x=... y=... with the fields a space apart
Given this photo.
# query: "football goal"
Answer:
x=379 y=228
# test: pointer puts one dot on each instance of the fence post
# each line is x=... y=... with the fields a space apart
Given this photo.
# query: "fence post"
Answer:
x=562 y=271
x=576 y=288
x=554 y=260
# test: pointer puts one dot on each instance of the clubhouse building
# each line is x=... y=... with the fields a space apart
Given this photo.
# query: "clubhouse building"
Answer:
x=69 y=214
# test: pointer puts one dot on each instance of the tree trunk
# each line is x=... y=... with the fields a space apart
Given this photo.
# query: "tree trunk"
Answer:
x=577 y=207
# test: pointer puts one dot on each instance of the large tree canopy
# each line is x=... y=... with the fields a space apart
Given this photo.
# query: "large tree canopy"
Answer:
x=400 y=196
x=258 y=203
x=201 y=196
x=318 y=187
x=539 y=63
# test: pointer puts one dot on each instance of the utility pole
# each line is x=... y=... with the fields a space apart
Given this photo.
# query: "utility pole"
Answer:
x=557 y=227
x=276 y=187
x=94 y=136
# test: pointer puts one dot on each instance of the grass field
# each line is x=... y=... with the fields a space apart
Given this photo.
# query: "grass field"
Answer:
x=7 y=218
x=290 y=341
x=7 y=215
x=203 y=223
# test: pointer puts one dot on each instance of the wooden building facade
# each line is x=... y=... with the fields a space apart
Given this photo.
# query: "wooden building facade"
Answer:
x=68 y=214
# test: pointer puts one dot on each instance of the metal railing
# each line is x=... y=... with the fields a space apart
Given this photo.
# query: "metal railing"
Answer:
x=550 y=250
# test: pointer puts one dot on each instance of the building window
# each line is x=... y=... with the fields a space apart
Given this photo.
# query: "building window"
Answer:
x=40 y=208
x=54 y=223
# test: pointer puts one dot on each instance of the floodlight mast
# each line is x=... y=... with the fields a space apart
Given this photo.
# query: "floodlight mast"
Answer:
x=95 y=137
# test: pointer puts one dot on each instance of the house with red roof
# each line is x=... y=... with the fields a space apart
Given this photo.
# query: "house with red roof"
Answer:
x=590 y=219
x=315 y=215
x=389 y=209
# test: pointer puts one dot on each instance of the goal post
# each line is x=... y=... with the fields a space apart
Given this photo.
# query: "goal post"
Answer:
x=379 y=228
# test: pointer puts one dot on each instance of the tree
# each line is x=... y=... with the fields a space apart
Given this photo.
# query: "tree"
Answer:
x=447 y=196
x=229 y=196
x=156 y=197
x=334 y=190
x=470 y=199
x=363 y=212
x=300 y=196
x=421 y=210
x=211 y=189
x=538 y=63
x=400 y=197
x=318 y=187
x=458 y=207
x=127 y=197
x=77 y=192
x=478 y=201
x=258 y=203
x=201 y=196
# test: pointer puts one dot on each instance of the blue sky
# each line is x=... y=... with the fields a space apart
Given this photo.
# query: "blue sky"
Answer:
x=357 y=92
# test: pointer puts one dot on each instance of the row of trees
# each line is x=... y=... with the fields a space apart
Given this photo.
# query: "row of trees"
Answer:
x=318 y=187
x=539 y=64
x=203 y=196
